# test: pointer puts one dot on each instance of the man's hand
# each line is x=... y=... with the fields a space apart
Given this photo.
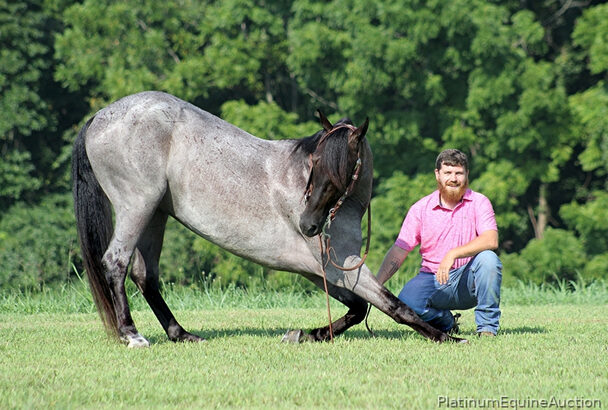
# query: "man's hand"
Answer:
x=488 y=240
x=443 y=273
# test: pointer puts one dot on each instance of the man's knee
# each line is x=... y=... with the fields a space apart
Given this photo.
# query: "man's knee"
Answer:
x=487 y=266
x=488 y=259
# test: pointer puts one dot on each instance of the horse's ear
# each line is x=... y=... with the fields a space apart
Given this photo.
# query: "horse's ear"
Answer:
x=357 y=135
x=324 y=121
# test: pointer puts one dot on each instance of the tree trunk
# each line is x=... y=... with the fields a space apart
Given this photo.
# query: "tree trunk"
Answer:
x=540 y=224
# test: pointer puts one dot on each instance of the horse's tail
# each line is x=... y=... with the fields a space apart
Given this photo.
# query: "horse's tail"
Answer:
x=94 y=223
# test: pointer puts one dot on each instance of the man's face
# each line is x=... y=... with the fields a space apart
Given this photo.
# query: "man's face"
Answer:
x=452 y=182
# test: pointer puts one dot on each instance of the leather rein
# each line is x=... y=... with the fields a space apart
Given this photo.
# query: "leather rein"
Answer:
x=327 y=249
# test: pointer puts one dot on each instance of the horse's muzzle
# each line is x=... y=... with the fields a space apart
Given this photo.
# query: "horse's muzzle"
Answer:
x=309 y=227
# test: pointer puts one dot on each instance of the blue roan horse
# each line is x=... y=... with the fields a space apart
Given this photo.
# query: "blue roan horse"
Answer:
x=151 y=155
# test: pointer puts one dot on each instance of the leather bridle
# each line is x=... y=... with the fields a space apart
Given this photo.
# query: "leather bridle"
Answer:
x=309 y=184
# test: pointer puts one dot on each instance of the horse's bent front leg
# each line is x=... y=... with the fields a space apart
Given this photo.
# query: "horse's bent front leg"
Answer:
x=364 y=284
x=403 y=314
x=355 y=315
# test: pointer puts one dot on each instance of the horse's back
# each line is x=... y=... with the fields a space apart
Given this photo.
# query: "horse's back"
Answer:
x=151 y=137
x=152 y=117
x=243 y=193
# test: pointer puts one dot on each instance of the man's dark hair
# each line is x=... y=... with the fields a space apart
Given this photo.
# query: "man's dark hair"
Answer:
x=452 y=158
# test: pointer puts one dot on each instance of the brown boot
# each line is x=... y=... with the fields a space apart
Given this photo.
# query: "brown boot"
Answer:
x=486 y=334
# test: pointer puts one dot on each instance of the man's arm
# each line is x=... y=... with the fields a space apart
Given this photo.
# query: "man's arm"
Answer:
x=392 y=262
x=488 y=240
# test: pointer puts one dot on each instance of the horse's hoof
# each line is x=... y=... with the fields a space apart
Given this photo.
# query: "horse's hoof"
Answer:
x=136 y=341
x=458 y=340
x=292 y=336
x=296 y=336
x=189 y=337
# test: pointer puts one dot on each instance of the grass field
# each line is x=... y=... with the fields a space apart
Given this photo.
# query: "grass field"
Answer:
x=54 y=353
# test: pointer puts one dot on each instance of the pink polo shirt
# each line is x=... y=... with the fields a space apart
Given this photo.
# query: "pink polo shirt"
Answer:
x=437 y=229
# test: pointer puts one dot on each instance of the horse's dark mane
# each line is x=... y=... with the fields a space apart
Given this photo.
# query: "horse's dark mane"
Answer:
x=308 y=145
x=334 y=156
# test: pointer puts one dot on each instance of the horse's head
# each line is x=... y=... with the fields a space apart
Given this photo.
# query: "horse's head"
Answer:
x=334 y=168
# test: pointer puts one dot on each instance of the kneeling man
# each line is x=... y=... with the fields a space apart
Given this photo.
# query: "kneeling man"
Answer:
x=456 y=230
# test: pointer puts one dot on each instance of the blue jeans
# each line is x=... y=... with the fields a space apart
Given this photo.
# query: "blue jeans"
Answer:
x=476 y=284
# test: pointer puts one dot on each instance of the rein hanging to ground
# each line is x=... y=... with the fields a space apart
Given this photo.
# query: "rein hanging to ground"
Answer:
x=327 y=252
x=324 y=234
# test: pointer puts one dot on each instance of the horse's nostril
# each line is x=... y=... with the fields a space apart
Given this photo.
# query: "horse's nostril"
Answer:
x=312 y=230
x=308 y=230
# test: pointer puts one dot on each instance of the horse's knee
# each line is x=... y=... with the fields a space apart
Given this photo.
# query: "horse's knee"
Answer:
x=358 y=312
x=406 y=315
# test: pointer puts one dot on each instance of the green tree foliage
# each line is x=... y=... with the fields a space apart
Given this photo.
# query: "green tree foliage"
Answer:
x=480 y=76
x=38 y=244
x=203 y=51
x=267 y=120
x=588 y=220
x=24 y=52
x=545 y=260
x=33 y=108
x=590 y=106
x=521 y=87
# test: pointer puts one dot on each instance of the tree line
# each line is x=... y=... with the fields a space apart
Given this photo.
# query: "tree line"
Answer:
x=520 y=86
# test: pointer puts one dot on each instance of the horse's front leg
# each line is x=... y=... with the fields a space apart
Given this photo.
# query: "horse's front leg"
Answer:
x=362 y=282
x=357 y=308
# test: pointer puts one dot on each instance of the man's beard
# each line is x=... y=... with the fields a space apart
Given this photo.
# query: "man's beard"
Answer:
x=452 y=195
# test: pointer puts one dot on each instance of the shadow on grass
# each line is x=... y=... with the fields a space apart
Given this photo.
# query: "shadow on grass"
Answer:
x=356 y=334
x=277 y=333
x=522 y=330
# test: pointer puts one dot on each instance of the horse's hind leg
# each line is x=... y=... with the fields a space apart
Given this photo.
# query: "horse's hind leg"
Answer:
x=116 y=262
x=357 y=308
x=145 y=272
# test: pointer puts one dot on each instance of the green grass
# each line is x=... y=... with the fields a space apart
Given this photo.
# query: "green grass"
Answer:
x=54 y=353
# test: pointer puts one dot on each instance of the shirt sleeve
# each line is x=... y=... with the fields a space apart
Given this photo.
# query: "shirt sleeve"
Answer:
x=409 y=235
x=486 y=220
